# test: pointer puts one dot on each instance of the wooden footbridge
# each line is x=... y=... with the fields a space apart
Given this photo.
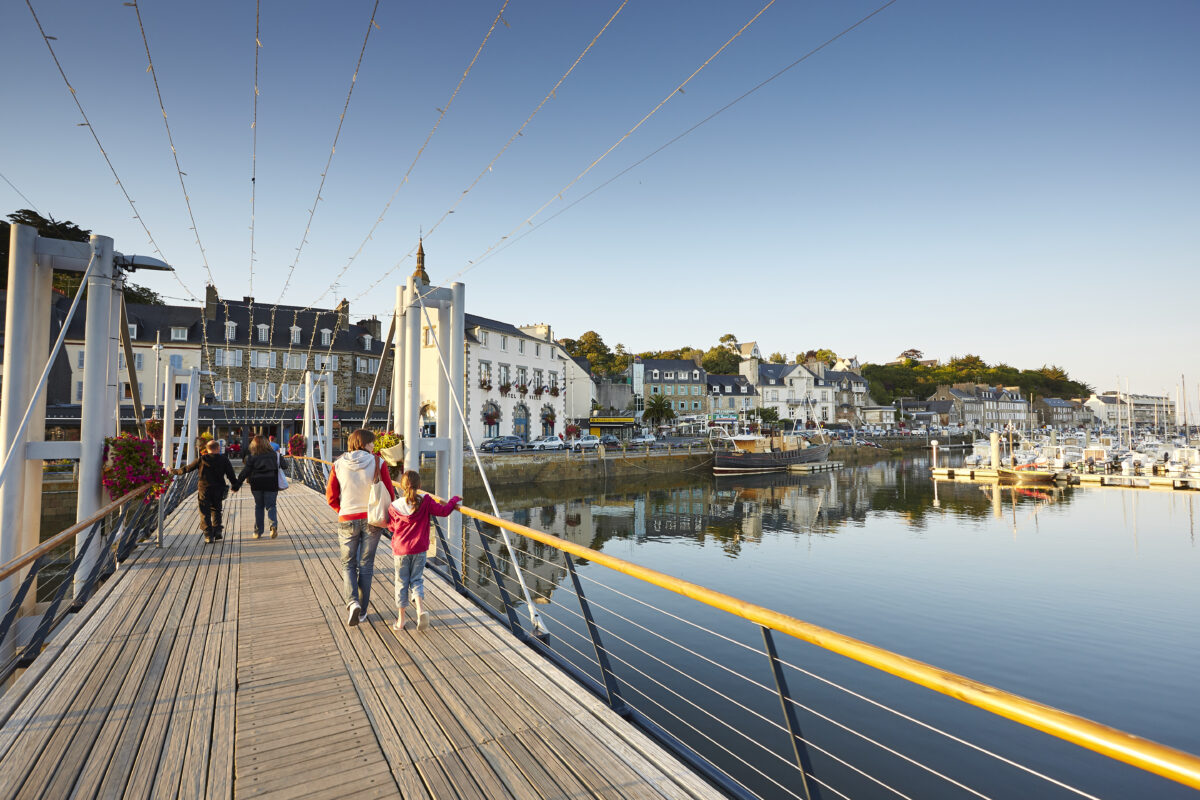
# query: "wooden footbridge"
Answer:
x=228 y=670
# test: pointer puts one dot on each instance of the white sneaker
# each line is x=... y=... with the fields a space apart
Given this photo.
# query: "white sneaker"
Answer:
x=353 y=614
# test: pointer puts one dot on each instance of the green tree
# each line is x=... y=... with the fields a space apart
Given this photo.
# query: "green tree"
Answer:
x=824 y=354
x=721 y=361
x=729 y=341
x=767 y=414
x=658 y=410
x=65 y=281
x=777 y=358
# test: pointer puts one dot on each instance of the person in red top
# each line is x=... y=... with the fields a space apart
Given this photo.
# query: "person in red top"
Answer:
x=408 y=520
x=347 y=493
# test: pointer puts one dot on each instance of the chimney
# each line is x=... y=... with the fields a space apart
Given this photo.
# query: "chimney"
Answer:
x=343 y=316
x=210 y=302
x=372 y=326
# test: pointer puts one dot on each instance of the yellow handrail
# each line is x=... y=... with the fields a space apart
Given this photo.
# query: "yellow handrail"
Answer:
x=1145 y=754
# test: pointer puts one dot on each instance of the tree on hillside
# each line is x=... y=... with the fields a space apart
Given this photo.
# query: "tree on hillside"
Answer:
x=657 y=410
x=777 y=358
x=64 y=281
x=729 y=341
x=721 y=361
x=824 y=354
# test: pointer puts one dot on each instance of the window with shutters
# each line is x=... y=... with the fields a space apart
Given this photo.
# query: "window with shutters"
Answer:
x=360 y=395
x=381 y=397
x=78 y=391
x=297 y=361
x=80 y=360
x=177 y=362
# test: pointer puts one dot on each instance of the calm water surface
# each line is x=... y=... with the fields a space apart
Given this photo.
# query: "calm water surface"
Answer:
x=1084 y=599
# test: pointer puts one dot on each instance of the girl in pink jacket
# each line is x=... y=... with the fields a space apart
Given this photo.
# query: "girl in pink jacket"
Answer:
x=408 y=520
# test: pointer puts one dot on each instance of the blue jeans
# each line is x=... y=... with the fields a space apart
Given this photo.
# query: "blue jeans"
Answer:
x=410 y=576
x=358 y=541
x=263 y=500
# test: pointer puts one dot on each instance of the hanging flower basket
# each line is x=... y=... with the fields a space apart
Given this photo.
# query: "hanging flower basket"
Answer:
x=485 y=384
x=129 y=463
x=296 y=445
x=554 y=391
x=490 y=417
x=504 y=387
x=523 y=389
x=572 y=430
x=539 y=391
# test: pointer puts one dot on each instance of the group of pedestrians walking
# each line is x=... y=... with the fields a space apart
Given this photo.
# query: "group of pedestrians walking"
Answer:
x=348 y=492
x=261 y=468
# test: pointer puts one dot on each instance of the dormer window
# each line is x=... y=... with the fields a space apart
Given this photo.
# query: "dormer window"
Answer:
x=745 y=389
x=367 y=342
x=295 y=331
x=230 y=331
x=264 y=333
x=178 y=334
x=668 y=376
x=326 y=337
x=483 y=337
x=728 y=389
x=695 y=374
x=133 y=330
x=654 y=374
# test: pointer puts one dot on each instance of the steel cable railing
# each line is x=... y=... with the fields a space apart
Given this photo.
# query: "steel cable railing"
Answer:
x=634 y=670
x=50 y=569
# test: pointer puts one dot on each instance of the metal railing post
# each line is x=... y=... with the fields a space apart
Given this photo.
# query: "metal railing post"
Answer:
x=811 y=791
x=615 y=701
x=514 y=624
x=445 y=549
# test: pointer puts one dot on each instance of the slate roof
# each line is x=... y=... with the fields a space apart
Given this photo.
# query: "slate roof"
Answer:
x=773 y=374
x=736 y=381
x=1058 y=402
x=832 y=376
x=671 y=365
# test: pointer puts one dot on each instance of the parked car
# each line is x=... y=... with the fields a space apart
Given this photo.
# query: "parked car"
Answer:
x=608 y=440
x=645 y=438
x=548 y=443
x=585 y=443
x=501 y=443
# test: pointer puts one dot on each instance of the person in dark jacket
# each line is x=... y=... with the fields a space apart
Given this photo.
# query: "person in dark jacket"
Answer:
x=262 y=470
x=214 y=468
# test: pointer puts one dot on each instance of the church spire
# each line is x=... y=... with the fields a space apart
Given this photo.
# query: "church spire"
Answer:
x=420 y=273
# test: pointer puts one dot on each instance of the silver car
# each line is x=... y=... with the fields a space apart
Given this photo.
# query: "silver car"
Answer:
x=548 y=443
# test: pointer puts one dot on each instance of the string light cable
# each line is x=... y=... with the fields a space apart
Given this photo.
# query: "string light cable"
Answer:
x=404 y=180
x=19 y=192
x=188 y=203
x=687 y=132
x=112 y=168
x=488 y=168
x=371 y=25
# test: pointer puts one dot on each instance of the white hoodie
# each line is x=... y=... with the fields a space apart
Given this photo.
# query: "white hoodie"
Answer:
x=355 y=473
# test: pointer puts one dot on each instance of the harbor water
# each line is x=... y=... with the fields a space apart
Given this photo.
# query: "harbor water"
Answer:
x=1085 y=599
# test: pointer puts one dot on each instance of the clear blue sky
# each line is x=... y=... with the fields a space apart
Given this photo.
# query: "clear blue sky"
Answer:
x=1017 y=180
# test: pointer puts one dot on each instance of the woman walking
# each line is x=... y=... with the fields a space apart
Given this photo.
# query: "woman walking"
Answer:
x=347 y=492
x=262 y=470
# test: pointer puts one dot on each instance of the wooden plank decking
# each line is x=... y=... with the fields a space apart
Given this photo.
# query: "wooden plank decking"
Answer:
x=227 y=670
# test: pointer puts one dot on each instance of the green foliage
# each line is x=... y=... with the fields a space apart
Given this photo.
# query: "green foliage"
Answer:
x=910 y=379
x=767 y=414
x=602 y=360
x=386 y=439
x=658 y=410
x=824 y=354
x=721 y=361
x=777 y=358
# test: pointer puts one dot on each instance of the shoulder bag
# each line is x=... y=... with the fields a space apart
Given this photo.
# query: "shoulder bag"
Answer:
x=283 y=481
x=379 y=500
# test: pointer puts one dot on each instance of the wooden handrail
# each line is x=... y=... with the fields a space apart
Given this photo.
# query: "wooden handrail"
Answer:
x=54 y=541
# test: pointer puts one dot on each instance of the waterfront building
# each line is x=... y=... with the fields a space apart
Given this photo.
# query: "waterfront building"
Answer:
x=1147 y=410
x=730 y=399
x=681 y=381
x=580 y=388
x=515 y=377
x=842 y=392
x=1055 y=412
x=986 y=407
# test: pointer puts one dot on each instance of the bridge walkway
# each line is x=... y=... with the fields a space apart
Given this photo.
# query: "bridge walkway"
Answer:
x=227 y=670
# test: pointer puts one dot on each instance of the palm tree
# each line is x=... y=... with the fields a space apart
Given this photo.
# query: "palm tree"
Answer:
x=658 y=410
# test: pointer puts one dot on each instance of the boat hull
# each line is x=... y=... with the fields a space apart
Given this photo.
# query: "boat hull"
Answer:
x=738 y=462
